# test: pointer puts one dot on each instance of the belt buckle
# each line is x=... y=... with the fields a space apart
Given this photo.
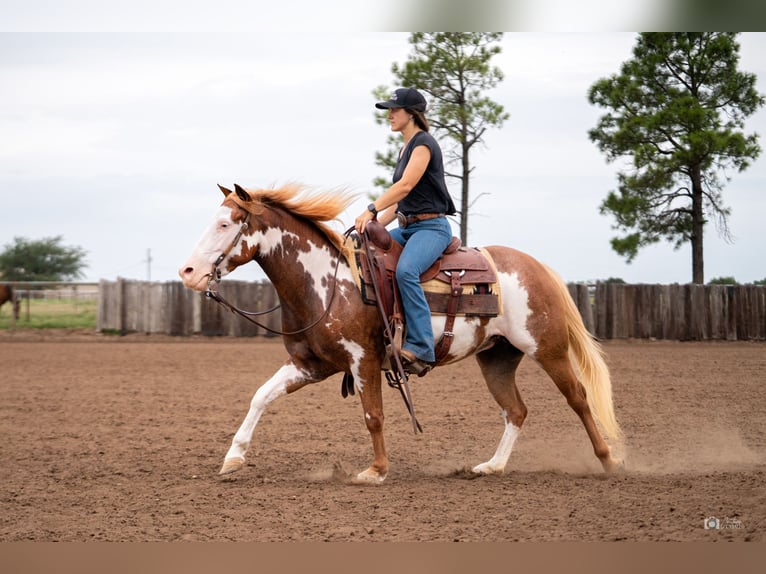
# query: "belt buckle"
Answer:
x=401 y=218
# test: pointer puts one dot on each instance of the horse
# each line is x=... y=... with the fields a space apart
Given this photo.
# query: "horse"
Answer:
x=328 y=329
x=6 y=294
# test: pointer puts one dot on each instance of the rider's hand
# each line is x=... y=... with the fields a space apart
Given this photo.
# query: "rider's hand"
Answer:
x=361 y=222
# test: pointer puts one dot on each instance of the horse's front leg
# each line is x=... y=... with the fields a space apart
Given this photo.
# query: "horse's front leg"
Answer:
x=287 y=379
x=372 y=403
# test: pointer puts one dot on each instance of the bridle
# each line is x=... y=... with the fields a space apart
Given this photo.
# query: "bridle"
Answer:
x=215 y=274
x=215 y=277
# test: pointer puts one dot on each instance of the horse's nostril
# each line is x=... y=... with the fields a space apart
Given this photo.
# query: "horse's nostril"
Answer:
x=185 y=272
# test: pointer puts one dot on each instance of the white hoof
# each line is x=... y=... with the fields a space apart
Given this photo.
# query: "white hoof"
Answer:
x=369 y=476
x=486 y=468
x=232 y=465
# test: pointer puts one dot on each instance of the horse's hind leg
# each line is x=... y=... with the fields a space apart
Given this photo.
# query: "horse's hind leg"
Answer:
x=559 y=368
x=498 y=365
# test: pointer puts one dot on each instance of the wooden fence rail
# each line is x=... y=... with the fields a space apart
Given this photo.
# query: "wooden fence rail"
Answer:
x=609 y=310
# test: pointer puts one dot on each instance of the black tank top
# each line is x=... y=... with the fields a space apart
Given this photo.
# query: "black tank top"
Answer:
x=430 y=194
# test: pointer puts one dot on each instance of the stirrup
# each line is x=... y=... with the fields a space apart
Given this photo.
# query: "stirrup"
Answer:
x=413 y=365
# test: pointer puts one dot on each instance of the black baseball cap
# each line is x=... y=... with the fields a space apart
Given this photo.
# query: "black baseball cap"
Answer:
x=408 y=98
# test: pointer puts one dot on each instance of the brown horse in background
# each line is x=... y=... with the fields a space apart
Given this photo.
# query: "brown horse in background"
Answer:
x=327 y=328
x=6 y=294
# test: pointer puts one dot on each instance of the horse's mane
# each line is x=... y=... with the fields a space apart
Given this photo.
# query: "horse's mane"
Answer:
x=317 y=207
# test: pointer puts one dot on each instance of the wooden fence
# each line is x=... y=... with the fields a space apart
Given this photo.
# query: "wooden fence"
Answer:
x=680 y=312
x=170 y=308
x=609 y=310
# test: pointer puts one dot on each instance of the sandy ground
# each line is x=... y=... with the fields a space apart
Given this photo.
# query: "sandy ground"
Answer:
x=120 y=439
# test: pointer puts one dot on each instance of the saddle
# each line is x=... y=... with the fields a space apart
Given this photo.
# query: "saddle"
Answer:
x=462 y=282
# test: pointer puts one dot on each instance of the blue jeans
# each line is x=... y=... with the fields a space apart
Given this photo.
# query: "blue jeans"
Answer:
x=423 y=243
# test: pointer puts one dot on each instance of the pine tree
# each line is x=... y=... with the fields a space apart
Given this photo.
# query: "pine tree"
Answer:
x=675 y=112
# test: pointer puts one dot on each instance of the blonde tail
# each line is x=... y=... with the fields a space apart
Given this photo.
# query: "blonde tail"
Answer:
x=587 y=354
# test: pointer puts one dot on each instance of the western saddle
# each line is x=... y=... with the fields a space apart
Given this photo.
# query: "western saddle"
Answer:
x=463 y=281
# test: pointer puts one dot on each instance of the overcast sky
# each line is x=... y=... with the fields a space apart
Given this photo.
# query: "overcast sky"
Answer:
x=116 y=142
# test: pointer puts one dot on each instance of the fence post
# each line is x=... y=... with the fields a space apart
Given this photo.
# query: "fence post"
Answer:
x=121 y=305
x=599 y=303
x=731 y=315
x=580 y=294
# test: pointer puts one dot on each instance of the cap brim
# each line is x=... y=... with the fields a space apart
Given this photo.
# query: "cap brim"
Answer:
x=387 y=105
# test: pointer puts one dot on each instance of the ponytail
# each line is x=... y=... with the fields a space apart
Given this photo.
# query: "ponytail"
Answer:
x=419 y=119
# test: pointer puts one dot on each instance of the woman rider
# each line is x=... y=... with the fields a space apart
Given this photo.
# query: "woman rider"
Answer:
x=420 y=201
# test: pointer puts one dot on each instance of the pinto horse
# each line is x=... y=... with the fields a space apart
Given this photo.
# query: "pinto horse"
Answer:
x=328 y=329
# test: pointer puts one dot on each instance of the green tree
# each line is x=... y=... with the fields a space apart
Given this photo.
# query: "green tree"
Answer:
x=676 y=110
x=42 y=260
x=723 y=281
x=453 y=70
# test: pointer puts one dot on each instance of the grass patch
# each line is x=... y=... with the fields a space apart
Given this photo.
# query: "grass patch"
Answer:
x=52 y=314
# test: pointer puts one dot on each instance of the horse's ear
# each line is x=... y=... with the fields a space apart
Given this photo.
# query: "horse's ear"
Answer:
x=241 y=193
x=225 y=191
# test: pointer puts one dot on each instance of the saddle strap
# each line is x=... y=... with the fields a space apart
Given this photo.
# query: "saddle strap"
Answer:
x=445 y=342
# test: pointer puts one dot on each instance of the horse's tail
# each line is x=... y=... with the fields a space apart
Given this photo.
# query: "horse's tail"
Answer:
x=589 y=358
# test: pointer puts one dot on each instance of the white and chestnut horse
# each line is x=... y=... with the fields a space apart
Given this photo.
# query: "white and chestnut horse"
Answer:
x=328 y=329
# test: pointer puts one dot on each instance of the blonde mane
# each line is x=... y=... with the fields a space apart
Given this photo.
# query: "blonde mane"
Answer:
x=317 y=207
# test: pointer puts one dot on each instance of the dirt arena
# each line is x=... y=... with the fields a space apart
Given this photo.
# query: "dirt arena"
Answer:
x=120 y=439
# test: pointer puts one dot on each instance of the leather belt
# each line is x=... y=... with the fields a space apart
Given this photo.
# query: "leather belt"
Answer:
x=405 y=220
